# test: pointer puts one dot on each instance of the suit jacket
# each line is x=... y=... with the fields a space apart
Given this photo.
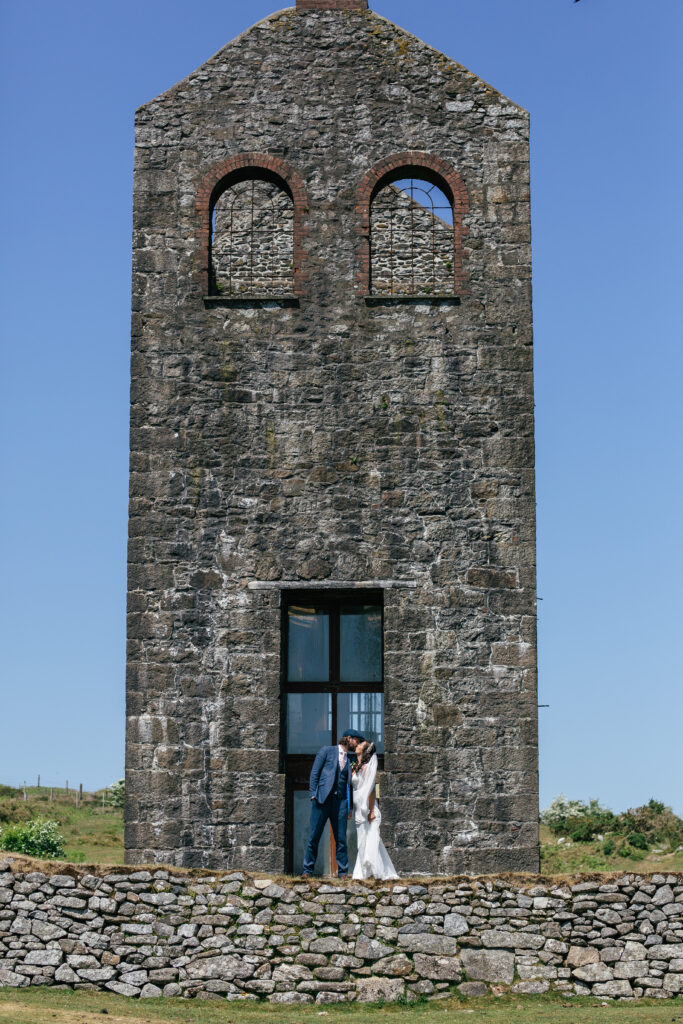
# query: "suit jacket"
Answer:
x=324 y=774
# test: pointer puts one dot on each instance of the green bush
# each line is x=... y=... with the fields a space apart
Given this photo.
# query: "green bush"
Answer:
x=608 y=847
x=638 y=840
x=38 y=838
x=584 y=831
x=12 y=811
x=656 y=822
x=575 y=818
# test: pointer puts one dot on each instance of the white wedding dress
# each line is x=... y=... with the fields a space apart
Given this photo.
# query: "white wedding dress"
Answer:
x=372 y=861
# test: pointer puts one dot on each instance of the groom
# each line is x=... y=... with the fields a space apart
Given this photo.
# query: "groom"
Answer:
x=330 y=788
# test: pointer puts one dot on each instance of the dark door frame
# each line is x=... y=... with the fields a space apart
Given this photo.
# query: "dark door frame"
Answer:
x=297 y=767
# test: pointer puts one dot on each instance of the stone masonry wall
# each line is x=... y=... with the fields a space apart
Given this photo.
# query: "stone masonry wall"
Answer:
x=252 y=243
x=238 y=936
x=412 y=249
x=332 y=439
x=253 y=240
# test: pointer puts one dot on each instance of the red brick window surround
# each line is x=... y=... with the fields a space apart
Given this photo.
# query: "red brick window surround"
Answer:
x=245 y=168
x=416 y=165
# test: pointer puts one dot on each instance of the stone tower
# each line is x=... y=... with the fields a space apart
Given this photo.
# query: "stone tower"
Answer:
x=332 y=516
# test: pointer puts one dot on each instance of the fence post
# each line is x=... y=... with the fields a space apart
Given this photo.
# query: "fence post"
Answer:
x=39 y=782
x=67 y=787
x=25 y=797
x=51 y=794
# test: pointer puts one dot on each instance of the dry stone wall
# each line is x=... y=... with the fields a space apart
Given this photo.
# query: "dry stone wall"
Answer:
x=238 y=936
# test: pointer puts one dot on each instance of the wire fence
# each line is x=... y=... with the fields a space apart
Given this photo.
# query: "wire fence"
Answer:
x=39 y=786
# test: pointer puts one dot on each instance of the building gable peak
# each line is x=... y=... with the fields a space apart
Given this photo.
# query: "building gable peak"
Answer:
x=331 y=5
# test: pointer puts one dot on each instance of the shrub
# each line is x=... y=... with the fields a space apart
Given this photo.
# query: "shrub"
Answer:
x=560 y=811
x=584 y=831
x=608 y=847
x=15 y=810
x=38 y=838
x=576 y=818
x=117 y=793
x=656 y=822
x=638 y=840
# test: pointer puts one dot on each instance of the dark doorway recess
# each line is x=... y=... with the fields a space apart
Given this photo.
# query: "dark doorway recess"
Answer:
x=332 y=679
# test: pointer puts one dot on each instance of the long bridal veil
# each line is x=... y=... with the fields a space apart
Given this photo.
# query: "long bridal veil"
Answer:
x=372 y=861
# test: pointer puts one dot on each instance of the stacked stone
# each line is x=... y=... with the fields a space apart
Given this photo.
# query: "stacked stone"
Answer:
x=145 y=933
x=252 y=247
x=412 y=248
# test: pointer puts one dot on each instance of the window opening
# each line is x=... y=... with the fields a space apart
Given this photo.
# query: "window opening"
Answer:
x=252 y=240
x=411 y=235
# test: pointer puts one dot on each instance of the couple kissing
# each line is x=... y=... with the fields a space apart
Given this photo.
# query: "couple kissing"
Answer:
x=343 y=782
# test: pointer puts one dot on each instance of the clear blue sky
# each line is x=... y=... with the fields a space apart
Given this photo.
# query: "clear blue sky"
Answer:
x=603 y=82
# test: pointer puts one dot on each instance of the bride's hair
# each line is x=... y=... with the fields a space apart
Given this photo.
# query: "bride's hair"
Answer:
x=364 y=757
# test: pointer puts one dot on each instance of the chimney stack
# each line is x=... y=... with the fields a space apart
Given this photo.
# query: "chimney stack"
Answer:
x=331 y=5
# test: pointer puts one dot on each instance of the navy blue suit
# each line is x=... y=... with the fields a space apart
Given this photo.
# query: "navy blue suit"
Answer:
x=330 y=796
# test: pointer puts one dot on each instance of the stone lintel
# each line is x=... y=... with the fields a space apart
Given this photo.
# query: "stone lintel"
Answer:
x=332 y=585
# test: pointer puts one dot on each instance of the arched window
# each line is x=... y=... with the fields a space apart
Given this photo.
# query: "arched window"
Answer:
x=411 y=238
x=411 y=207
x=252 y=239
x=250 y=209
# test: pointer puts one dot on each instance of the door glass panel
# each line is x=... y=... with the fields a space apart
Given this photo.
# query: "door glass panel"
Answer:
x=360 y=644
x=308 y=646
x=302 y=820
x=309 y=722
x=364 y=713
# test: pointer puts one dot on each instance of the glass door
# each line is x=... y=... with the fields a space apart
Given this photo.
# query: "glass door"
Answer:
x=332 y=681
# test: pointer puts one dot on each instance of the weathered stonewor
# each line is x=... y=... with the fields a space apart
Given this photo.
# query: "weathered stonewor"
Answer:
x=253 y=239
x=331 y=439
x=239 y=936
x=412 y=247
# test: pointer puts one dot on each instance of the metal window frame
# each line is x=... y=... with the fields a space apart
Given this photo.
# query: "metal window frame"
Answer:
x=297 y=767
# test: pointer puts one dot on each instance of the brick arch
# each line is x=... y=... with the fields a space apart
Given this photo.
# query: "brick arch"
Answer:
x=239 y=168
x=415 y=164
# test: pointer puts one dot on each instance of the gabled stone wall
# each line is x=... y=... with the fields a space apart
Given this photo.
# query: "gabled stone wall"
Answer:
x=239 y=936
x=339 y=437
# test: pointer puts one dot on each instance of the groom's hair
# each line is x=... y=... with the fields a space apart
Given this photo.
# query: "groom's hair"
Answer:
x=344 y=741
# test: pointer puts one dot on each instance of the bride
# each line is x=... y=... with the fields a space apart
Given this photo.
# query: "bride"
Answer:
x=373 y=860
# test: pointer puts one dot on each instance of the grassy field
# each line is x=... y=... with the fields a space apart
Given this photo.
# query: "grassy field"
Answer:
x=92 y=834
x=42 y=1006
x=578 y=858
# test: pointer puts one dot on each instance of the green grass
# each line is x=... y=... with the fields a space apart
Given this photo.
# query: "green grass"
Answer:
x=579 y=858
x=92 y=834
x=46 y=1006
